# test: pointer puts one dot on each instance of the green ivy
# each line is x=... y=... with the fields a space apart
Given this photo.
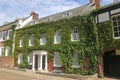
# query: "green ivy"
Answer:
x=92 y=40
x=9 y=42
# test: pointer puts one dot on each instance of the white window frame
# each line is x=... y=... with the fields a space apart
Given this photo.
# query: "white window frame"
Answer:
x=31 y=39
x=7 y=52
x=3 y=36
x=57 y=36
x=75 y=59
x=20 y=58
x=117 y=26
x=75 y=33
x=0 y=36
x=21 y=41
x=57 y=59
x=43 y=39
x=8 y=35
x=1 y=51
x=30 y=58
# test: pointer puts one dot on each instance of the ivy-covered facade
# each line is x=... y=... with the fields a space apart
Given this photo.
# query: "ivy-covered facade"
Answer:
x=84 y=48
x=78 y=45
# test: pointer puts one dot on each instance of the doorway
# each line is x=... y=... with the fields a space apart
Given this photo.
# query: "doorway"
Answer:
x=111 y=64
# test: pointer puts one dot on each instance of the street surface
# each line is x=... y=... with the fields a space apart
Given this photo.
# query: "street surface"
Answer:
x=8 y=74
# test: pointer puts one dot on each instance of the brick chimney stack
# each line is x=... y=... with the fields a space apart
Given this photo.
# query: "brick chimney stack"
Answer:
x=96 y=2
x=35 y=15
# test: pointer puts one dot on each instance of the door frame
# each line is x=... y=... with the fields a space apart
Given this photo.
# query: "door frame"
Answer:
x=40 y=62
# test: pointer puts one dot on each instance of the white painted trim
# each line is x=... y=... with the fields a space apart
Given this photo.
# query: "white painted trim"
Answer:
x=75 y=66
x=8 y=34
x=26 y=21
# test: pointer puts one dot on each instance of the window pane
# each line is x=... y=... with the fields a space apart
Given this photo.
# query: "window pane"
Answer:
x=118 y=18
x=32 y=40
x=114 y=23
x=119 y=22
x=114 y=19
x=75 y=59
x=57 y=59
x=116 y=34
x=115 y=28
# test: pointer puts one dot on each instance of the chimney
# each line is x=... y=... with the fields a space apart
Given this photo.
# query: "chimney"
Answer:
x=97 y=3
x=35 y=15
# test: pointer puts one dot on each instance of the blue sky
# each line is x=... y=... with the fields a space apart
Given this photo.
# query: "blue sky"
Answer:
x=12 y=9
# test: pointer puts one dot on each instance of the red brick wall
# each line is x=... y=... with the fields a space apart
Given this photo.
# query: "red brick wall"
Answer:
x=50 y=65
x=7 y=61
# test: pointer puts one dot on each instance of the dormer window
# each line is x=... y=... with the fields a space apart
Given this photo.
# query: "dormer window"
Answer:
x=31 y=40
x=57 y=37
x=67 y=14
x=75 y=34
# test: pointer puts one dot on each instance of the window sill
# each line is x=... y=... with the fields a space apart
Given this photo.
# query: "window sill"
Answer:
x=75 y=40
x=31 y=45
x=42 y=44
x=116 y=37
x=57 y=42
x=76 y=66
x=57 y=65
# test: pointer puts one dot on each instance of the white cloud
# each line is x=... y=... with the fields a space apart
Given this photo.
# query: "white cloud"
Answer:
x=22 y=8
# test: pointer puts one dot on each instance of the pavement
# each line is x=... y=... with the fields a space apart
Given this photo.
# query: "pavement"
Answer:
x=9 y=74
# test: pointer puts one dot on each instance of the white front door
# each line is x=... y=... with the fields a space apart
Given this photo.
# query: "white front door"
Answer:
x=42 y=60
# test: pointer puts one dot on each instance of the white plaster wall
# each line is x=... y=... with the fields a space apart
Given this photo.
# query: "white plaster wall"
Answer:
x=115 y=11
x=103 y=17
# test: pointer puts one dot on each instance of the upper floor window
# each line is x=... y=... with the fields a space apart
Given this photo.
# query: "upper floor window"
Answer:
x=7 y=51
x=57 y=62
x=57 y=37
x=75 y=60
x=21 y=41
x=3 y=36
x=43 y=39
x=75 y=34
x=116 y=24
x=31 y=40
x=9 y=36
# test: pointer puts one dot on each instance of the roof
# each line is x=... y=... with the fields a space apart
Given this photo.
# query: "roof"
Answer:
x=7 y=26
x=82 y=10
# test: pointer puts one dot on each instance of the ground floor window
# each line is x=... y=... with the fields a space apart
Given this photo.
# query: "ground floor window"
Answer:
x=20 y=58
x=7 y=53
x=1 y=51
x=57 y=62
x=30 y=58
x=75 y=60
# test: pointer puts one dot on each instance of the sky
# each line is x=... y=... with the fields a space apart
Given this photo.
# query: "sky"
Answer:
x=13 y=9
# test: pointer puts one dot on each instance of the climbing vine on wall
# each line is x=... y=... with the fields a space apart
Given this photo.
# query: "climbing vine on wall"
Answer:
x=9 y=43
x=87 y=47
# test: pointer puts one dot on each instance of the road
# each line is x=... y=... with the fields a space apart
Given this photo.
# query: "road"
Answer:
x=8 y=74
